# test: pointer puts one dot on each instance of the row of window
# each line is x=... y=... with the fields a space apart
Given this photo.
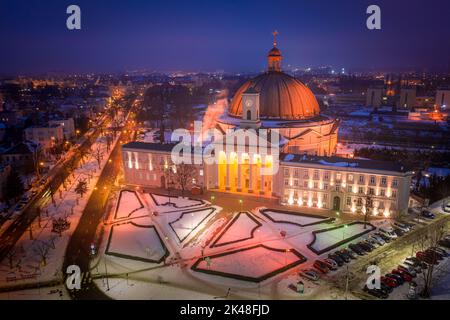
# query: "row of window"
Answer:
x=338 y=188
x=338 y=177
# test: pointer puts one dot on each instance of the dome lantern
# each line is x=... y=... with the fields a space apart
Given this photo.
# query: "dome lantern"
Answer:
x=274 y=56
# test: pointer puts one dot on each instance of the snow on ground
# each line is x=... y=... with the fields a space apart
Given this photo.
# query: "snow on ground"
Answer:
x=254 y=262
x=128 y=204
x=188 y=221
x=440 y=288
x=27 y=256
x=47 y=293
x=241 y=227
x=175 y=202
x=135 y=241
x=302 y=220
x=328 y=238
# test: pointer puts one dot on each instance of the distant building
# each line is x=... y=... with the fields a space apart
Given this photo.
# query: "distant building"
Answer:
x=47 y=136
x=19 y=156
x=5 y=170
x=407 y=98
x=67 y=125
x=443 y=98
x=374 y=97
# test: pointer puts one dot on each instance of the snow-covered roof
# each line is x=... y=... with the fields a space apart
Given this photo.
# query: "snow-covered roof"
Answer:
x=343 y=162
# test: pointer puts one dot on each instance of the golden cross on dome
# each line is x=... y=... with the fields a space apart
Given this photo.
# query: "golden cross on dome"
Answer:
x=275 y=33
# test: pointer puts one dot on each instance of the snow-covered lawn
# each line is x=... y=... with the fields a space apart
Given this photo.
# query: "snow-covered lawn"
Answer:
x=240 y=228
x=128 y=204
x=254 y=264
x=331 y=238
x=132 y=241
x=175 y=202
x=300 y=219
x=188 y=221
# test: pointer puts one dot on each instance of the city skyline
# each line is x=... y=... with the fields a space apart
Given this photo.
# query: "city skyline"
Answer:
x=230 y=36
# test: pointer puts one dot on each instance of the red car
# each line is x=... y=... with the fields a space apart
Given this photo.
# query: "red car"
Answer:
x=321 y=266
x=426 y=257
x=402 y=274
x=389 y=282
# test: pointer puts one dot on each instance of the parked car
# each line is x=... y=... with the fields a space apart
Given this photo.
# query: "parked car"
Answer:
x=406 y=277
x=441 y=251
x=349 y=253
x=357 y=249
x=321 y=266
x=19 y=207
x=407 y=269
x=446 y=207
x=389 y=232
x=378 y=239
x=310 y=275
x=434 y=253
x=445 y=243
x=336 y=258
x=424 y=257
x=390 y=282
x=344 y=257
x=397 y=278
x=385 y=287
x=365 y=246
x=427 y=214
x=398 y=232
x=384 y=237
x=331 y=264
x=373 y=242
x=376 y=293
x=400 y=226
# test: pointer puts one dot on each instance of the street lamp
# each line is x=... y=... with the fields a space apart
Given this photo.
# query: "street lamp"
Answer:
x=241 y=202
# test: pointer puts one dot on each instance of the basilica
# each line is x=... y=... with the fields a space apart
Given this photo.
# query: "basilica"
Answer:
x=299 y=146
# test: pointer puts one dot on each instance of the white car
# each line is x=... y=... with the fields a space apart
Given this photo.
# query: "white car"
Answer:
x=310 y=275
x=378 y=239
x=389 y=232
x=446 y=207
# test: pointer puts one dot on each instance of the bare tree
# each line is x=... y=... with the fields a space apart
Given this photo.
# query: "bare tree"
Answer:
x=81 y=187
x=42 y=250
x=11 y=255
x=37 y=155
x=98 y=154
x=429 y=240
x=183 y=175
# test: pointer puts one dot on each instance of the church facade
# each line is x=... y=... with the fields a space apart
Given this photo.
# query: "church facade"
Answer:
x=276 y=144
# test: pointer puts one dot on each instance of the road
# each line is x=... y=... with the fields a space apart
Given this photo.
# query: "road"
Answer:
x=56 y=177
x=78 y=249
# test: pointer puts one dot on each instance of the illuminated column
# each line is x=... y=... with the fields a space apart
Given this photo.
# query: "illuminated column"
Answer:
x=227 y=181
x=262 y=191
x=250 y=176
x=239 y=188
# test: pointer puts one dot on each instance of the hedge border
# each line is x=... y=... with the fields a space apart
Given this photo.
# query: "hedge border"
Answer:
x=338 y=244
x=212 y=209
x=325 y=219
x=302 y=259
x=202 y=202
x=230 y=224
x=118 y=204
x=125 y=256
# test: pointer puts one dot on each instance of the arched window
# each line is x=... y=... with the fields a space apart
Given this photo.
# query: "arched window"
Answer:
x=249 y=115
